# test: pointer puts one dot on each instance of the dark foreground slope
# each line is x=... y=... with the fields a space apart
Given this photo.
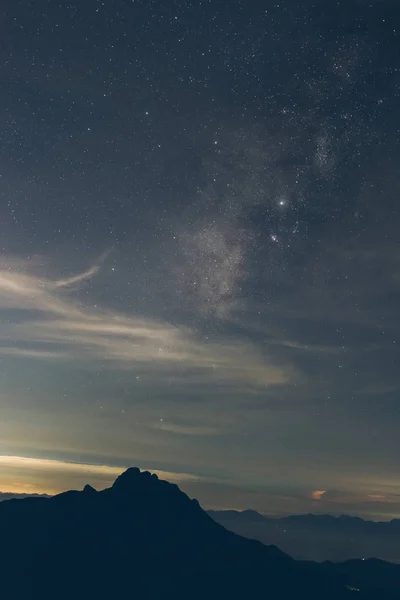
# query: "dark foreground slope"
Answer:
x=144 y=538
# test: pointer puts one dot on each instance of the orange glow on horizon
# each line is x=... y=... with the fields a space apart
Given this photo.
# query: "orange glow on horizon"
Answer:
x=26 y=475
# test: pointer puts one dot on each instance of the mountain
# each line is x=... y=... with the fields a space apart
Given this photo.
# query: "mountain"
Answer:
x=10 y=496
x=144 y=538
x=238 y=516
x=318 y=537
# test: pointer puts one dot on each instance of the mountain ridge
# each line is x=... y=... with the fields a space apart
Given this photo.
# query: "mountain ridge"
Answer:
x=15 y=495
x=250 y=513
x=318 y=537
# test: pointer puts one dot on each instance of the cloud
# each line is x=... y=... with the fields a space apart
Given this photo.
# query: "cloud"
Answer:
x=33 y=353
x=318 y=494
x=56 y=325
x=21 y=287
x=190 y=430
x=319 y=349
x=70 y=281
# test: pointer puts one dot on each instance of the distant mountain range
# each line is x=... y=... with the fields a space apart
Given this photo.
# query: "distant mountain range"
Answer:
x=310 y=520
x=318 y=537
x=144 y=538
x=10 y=496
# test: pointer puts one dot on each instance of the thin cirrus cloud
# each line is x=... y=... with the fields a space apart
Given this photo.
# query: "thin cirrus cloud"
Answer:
x=191 y=430
x=70 y=281
x=33 y=353
x=55 y=325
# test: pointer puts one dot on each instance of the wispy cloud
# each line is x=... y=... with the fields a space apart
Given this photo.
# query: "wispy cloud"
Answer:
x=70 y=281
x=33 y=353
x=190 y=430
x=310 y=348
x=53 y=317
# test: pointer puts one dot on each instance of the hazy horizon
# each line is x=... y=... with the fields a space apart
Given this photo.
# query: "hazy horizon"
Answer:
x=38 y=476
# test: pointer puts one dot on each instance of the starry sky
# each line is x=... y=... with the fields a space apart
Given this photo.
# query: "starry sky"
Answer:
x=199 y=249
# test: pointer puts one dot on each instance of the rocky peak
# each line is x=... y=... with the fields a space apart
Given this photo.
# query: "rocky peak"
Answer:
x=132 y=479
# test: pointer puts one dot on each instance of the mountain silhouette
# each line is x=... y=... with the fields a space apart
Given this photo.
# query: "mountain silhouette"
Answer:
x=318 y=537
x=10 y=495
x=144 y=538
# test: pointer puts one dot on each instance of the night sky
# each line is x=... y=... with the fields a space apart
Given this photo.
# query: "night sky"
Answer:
x=199 y=251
